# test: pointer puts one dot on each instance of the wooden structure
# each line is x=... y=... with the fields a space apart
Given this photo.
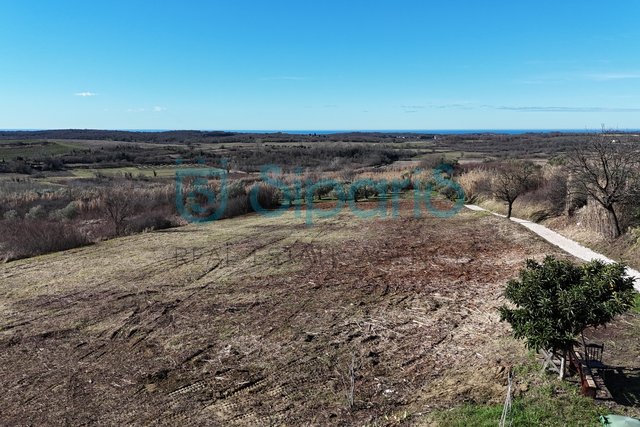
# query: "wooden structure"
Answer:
x=593 y=355
x=581 y=366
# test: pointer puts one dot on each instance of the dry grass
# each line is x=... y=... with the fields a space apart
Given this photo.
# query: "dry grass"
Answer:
x=251 y=321
x=476 y=184
x=625 y=249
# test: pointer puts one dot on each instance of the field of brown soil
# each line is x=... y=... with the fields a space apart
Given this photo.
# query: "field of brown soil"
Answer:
x=257 y=321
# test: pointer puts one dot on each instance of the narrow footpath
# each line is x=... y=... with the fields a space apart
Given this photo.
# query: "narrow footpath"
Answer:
x=570 y=246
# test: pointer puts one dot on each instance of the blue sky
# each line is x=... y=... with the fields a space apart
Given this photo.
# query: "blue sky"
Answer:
x=305 y=64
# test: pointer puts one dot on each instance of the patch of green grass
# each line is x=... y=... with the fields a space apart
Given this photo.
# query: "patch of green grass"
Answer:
x=546 y=402
x=34 y=149
x=636 y=307
x=549 y=405
x=470 y=415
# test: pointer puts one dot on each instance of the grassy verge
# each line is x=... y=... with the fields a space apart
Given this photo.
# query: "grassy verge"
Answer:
x=542 y=400
x=135 y=171
x=34 y=149
x=636 y=307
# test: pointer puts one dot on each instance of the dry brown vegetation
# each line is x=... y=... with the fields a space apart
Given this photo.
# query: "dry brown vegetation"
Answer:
x=252 y=321
x=255 y=321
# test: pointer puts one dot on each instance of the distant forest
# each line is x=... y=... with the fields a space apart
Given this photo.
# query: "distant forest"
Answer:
x=193 y=136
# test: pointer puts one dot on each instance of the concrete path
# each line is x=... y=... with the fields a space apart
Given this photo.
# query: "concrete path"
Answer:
x=570 y=246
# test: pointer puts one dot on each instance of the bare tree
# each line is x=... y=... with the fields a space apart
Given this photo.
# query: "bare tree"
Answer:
x=513 y=179
x=119 y=204
x=607 y=171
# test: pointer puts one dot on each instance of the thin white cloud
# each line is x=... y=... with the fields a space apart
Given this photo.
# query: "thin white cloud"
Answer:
x=290 y=78
x=459 y=105
x=538 y=108
x=85 y=94
x=561 y=78
x=155 y=109
x=612 y=76
x=542 y=81
x=554 y=109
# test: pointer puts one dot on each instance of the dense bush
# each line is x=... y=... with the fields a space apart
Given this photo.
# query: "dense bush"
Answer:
x=36 y=212
x=550 y=198
x=556 y=300
x=11 y=214
x=364 y=191
x=27 y=238
x=268 y=196
x=236 y=206
x=69 y=212
x=151 y=221
x=323 y=189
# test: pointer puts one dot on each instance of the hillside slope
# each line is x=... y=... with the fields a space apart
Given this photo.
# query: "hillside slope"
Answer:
x=253 y=320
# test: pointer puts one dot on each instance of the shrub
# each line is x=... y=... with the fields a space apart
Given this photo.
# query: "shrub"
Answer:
x=634 y=232
x=237 y=206
x=154 y=221
x=556 y=300
x=36 y=212
x=67 y=213
x=321 y=190
x=236 y=189
x=268 y=196
x=11 y=214
x=238 y=200
x=364 y=191
x=451 y=193
x=36 y=237
x=52 y=164
x=550 y=199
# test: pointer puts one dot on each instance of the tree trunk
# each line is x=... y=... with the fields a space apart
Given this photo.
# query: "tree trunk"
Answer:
x=510 y=209
x=616 y=221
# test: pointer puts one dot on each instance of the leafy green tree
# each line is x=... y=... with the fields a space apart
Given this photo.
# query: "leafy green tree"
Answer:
x=556 y=300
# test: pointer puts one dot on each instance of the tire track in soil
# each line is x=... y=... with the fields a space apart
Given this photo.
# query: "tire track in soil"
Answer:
x=176 y=296
x=141 y=331
x=256 y=387
x=87 y=294
x=230 y=406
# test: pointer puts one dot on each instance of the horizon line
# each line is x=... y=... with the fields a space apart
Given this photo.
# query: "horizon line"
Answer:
x=310 y=131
